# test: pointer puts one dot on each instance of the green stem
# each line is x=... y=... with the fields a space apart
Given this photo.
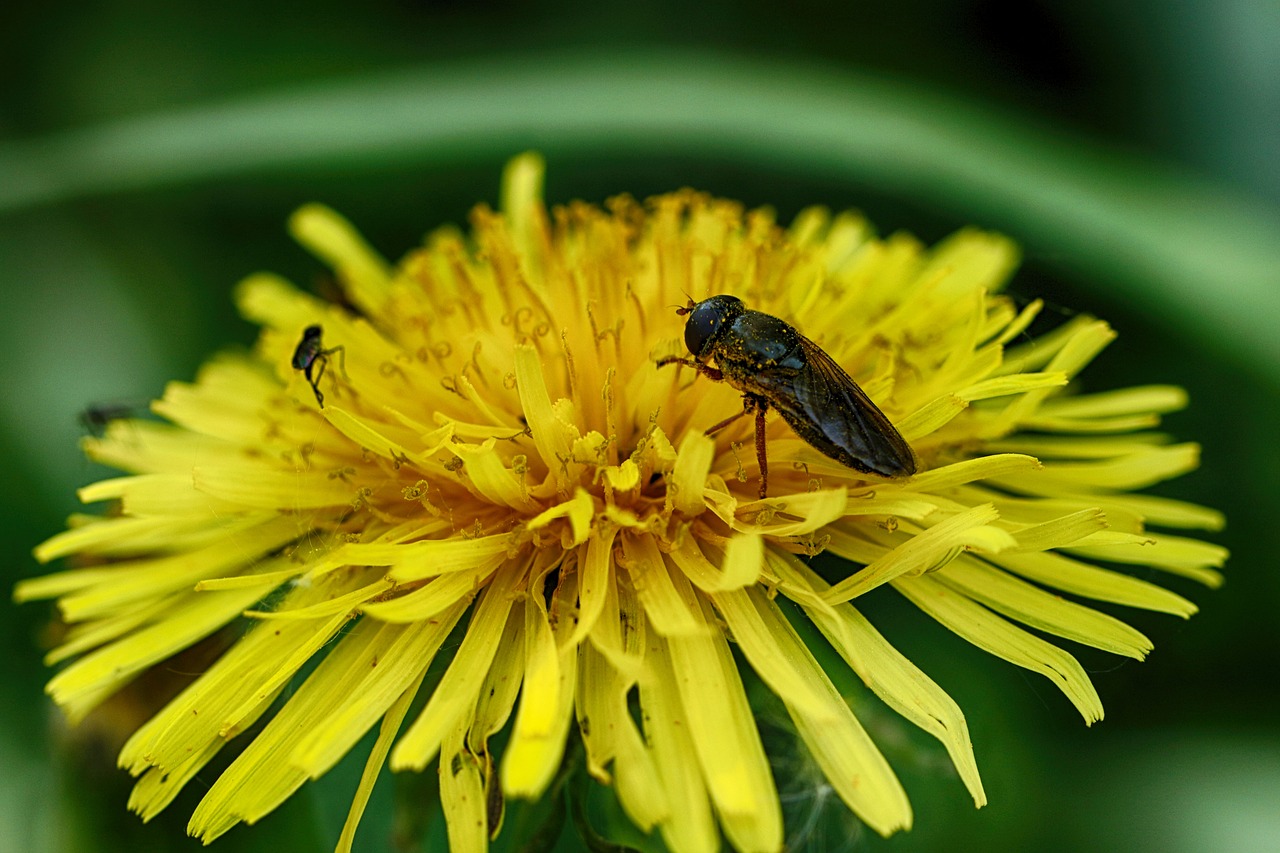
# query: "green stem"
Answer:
x=1186 y=251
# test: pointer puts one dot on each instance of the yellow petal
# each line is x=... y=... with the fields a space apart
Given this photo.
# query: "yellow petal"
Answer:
x=722 y=728
x=988 y=631
x=624 y=477
x=142 y=580
x=493 y=478
x=455 y=696
x=609 y=734
x=1076 y=446
x=84 y=636
x=259 y=579
x=1064 y=530
x=1041 y=610
x=80 y=686
x=417 y=560
x=598 y=681
x=286 y=665
x=549 y=435
x=883 y=668
x=795 y=515
x=373 y=766
x=1020 y=323
x=595 y=563
x=436 y=596
x=689 y=827
x=501 y=684
x=836 y=740
x=237 y=688
x=539 y=698
x=740 y=565
x=900 y=505
x=1084 y=579
x=761 y=641
x=693 y=461
x=364 y=276
x=270 y=300
x=169 y=495
x=970 y=470
x=931 y=417
x=743 y=561
x=106 y=535
x=223 y=402
x=1125 y=401
x=1084 y=426
x=1190 y=558
x=1168 y=512
x=522 y=200
x=158 y=786
x=1003 y=386
x=263 y=776
x=619 y=632
x=579 y=511
x=408 y=652
x=1137 y=470
x=462 y=794
x=647 y=569
x=546 y=700
x=933 y=547
x=325 y=609
x=263 y=487
x=372 y=436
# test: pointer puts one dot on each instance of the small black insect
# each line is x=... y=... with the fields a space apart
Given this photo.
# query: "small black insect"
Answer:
x=96 y=417
x=774 y=366
x=310 y=352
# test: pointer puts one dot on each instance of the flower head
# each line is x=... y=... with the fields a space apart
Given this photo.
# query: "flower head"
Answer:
x=481 y=443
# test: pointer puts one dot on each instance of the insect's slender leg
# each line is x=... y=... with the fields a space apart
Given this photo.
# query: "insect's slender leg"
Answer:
x=341 y=352
x=322 y=360
x=761 y=406
x=710 y=372
x=746 y=409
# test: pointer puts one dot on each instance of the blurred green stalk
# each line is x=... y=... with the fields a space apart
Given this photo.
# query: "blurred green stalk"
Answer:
x=1187 y=251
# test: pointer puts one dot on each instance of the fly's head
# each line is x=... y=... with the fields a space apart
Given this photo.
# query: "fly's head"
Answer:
x=707 y=322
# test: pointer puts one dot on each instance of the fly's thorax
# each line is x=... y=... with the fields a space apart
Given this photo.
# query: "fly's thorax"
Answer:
x=308 y=348
x=761 y=342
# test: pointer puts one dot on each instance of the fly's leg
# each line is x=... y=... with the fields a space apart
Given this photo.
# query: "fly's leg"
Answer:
x=750 y=403
x=761 y=406
x=748 y=406
x=710 y=372
x=322 y=359
x=341 y=352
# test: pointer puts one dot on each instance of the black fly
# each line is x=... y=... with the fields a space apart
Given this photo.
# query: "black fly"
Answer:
x=96 y=417
x=311 y=352
x=774 y=366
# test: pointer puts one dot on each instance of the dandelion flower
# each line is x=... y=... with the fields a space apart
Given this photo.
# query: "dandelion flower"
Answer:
x=499 y=458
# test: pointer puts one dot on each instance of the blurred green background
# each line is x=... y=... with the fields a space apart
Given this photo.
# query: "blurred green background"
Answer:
x=150 y=152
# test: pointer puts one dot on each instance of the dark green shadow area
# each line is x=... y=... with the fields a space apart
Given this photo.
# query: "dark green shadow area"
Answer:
x=1189 y=252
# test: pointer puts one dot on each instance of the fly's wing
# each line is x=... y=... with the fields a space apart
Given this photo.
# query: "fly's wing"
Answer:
x=827 y=409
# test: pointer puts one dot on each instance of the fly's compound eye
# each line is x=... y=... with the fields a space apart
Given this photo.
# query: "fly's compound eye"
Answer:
x=706 y=319
x=699 y=328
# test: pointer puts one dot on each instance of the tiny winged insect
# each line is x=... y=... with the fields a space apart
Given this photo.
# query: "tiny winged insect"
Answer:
x=96 y=417
x=311 y=352
x=774 y=366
